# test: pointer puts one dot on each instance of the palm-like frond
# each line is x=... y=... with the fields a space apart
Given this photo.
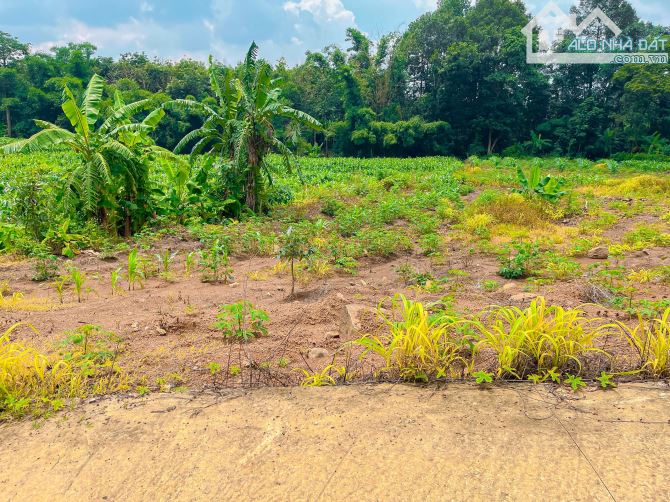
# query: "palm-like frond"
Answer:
x=301 y=117
x=46 y=138
x=119 y=149
x=74 y=113
x=122 y=113
x=189 y=105
x=92 y=98
x=153 y=119
x=196 y=133
x=133 y=128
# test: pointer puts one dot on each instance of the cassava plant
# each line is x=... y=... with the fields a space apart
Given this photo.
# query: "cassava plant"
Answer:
x=295 y=245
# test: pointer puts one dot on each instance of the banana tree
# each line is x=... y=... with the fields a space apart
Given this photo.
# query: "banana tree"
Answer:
x=240 y=130
x=547 y=187
x=111 y=154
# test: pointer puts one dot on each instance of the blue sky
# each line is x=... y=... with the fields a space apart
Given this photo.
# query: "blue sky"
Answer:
x=195 y=28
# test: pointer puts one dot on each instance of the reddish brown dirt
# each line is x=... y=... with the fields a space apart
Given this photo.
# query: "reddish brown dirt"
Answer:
x=167 y=325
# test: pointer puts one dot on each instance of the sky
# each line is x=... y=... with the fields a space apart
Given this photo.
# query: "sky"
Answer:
x=172 y=29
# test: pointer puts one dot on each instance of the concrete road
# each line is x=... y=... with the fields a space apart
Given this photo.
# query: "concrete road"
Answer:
x=362 y=443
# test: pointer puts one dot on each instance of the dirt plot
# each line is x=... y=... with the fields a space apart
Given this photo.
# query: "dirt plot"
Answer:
x=167 y=326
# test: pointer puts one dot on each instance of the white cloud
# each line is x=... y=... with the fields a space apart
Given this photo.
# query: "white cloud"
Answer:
x=209 y=26
x=322 y=10
x=129 y=34
x=146 y=7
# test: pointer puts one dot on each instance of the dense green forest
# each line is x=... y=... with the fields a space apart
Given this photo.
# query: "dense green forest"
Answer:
x=454 y=83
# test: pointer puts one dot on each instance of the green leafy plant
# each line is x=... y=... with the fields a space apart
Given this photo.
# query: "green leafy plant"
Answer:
x=242 y=321
x=115 y=281
x=295 y=246
x=112 y=173
x=575 y=382
x=540 y=339
x=419 y=347
x=651 y=341
x=164 y=260
x=606 y=380
x=214 y=370
x=59 y=286
x=533 y=184
x=520 y=260
x=46 y=268
x=78 y=279
x=189 y=262
x=240 y=123
x=482 y=377
x=321 y=378
x=215 y=262
x=135 y=274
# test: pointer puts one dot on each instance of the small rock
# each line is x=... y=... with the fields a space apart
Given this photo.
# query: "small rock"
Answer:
x=161 y=332
x=332 y=334
x=135 y=326
x=523 y=298
x=641 y=253
x=599 y=253
x=317 y=353
x=509 y=286
x=234 y=284
x=340 y=296
x=350 y=324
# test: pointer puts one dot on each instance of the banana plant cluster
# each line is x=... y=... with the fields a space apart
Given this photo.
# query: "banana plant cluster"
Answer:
x=111 y=182
x=239 y=130
x=547 y=187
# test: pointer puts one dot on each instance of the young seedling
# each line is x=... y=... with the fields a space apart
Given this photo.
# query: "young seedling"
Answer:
x=115 y=280
x=483 y=378
x=78 y=278
x=242 y=321
x=606 y=381
x=575 y=382
x=188 y=263
x=214 y=369
x=59 y=286
x=164 y=260
x=135 y=275
x=216 y=263
x=295 y=245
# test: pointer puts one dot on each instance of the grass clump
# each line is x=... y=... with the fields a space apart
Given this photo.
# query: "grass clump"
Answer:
x=34 y=383
x=538 y=339
x=651 y=341
x=420 y=346
x=512 y=208
x=644 y=185
x=646 y=236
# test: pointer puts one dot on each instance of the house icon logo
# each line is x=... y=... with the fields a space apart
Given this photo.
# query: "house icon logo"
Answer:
x=553 y=24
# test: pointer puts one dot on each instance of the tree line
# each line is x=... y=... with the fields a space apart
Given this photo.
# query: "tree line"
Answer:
x=455 y=82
